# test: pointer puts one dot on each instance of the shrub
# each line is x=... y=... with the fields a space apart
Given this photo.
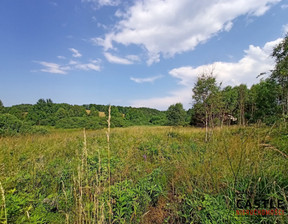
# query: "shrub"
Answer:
x=79 y=122
x=11 y=125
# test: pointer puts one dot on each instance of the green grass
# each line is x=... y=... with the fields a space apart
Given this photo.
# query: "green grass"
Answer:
x=158 y=175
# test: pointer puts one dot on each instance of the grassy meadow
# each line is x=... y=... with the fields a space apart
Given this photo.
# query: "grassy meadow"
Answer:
x=143 y=175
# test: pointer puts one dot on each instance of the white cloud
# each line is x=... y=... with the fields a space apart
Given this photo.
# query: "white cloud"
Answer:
x=75 y=52
x=72 y=62
x=133 y=57
x=99 y=3
x=87 y=67
x=95 y=61
x=169 y=27
x=53 y=67
x=117 y=60
x=255 y=61
x=53 y=4
x=162 y=103
x=72 y=65
x=108 y=2
x=93 y=65
x=61 y=57
x=143 y=80
x=284 y=6
x=105 y=43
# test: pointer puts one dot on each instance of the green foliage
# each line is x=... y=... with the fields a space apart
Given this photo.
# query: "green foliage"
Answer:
x=204 y=88
x=16 y=111
x=207 y=98
x=77 y=111
x=176 y=115
x=47 y=113
x=159 y=120
x=93 y=112
x=149 y=149
x=143 y=116
x=207 y=209
x=117 y=122
x=11 y=125
x=242 y=102
x=1 y=107
x=61 y=113
x=266 y=95
x=214 y=106
x=80 y=122
x=130 y=200
x=42 y=113
x=230 y=102
x=280 y=72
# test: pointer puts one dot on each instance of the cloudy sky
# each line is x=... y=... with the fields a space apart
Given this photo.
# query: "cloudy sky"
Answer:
x=132 y=52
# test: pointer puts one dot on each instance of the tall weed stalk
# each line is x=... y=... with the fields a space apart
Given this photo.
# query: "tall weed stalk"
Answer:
x=3 y=205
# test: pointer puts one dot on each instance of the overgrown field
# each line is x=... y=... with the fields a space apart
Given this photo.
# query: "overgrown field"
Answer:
x=144 y=175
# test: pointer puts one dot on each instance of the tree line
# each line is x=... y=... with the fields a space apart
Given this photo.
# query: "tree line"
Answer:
x=92 y=116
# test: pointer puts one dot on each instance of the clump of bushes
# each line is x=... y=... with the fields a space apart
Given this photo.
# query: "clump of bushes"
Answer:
x=10 y=125
x=80 y=122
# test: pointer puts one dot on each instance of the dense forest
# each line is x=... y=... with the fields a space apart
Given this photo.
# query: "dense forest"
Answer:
x=47 y=113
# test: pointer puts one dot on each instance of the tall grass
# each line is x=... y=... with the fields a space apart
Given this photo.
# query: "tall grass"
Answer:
x=141 y=175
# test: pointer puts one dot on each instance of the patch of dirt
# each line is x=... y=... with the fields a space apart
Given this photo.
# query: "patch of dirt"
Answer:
x=157 y=214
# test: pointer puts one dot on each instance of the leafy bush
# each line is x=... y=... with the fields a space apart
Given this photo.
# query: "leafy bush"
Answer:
x=11 y=125
x=80 y=122
x=131 y=200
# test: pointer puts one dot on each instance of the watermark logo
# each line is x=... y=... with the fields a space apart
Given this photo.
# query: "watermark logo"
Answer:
x=262 y=206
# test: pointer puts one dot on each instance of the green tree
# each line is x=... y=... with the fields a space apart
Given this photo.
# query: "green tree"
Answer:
x=280 y=72
x=1 y=107
x=266 y=95
x=61 y=113
x=77 y=111
x=93 y=112
x=242 y=102
x=176 y=115
x=9 y=124
x=42 y=113
x=207 y=100
x=115 y=112
x=229 y=97
x=135 y=116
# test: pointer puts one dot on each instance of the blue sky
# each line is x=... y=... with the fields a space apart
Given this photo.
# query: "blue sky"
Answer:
x=132 y=53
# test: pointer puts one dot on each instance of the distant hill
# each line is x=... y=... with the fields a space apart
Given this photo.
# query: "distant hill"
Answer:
x=63 y=115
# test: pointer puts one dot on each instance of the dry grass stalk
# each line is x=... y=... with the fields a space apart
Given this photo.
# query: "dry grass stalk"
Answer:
x=82 y=179
x=66 y=202
x=108 y=152
x=267 y=146
x=4 y=203
x=80 y=199
x=84 y=158
x=98 y=182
